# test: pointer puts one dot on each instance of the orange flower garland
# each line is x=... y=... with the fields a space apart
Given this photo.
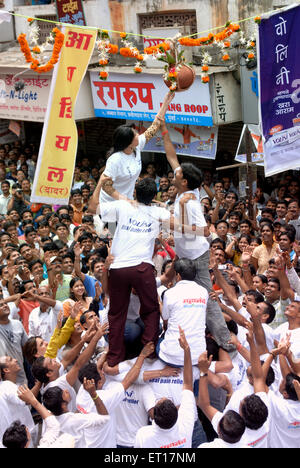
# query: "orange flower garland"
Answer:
x=153 y=50
x=201 y=41
x=35 y=64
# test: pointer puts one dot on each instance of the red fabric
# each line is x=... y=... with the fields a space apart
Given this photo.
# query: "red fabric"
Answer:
x=25 y=310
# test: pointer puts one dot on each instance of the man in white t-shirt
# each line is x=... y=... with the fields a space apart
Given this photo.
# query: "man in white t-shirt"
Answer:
x=43 y=319
x=187 y=209
x=15 y=408
x=172 y=428
x=292 y=328
x=57 y=400
x=185 y=305
x=229 y=426
x=111 y=394
x=132 y=249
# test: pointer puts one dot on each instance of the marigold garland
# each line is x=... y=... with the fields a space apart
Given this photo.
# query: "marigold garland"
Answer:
x=159 y=52
x=35 y=63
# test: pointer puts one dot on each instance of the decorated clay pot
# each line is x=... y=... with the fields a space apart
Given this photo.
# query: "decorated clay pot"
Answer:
x=185 y=78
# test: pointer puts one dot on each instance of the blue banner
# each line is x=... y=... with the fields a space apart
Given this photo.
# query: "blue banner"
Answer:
x=279 y=76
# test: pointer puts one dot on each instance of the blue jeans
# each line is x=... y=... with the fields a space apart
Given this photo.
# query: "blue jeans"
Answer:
x=199 y=436
x=133 y=330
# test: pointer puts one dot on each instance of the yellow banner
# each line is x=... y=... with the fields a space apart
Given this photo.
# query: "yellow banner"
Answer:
x=55 y=167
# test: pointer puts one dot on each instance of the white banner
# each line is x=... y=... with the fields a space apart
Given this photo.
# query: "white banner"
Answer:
x=29 y=103
x=139 y=97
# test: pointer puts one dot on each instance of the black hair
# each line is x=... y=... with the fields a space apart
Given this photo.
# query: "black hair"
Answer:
x=266 y=222
x=231 y=427
x=258 y=297
x=246 y=221
x=164 y=265
x=145 y=191
x=89 y=371
x=291 y=235
x=235 y=213
x=53 y=400
x=15 y=436
x=75 y=192
x=165 y=414
x=290 y=387
x=122 y=138
x=39 y=371
x=232 y=192
x=217 y=240
x=34 y=262
x=84 y=236
x=270 y=310
x=185 y=268
x=192 y=174
x=221 y=221
x=232 y=326
x=50 y=246
x=212 y=348
x=30 y=349
x=254 y=412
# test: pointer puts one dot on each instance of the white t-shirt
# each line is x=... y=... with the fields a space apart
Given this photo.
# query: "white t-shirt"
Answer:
x=15 y=408
x=111 y=396
x=281 y=331
x=284 y=422
x=76 y=425
x=62 y=383
x=184 y=305
x=137 y=229
x=179 y=436
x=189 y=245
x=124 y=170
x=43 y=323
x=133 y=413
x=5 y=417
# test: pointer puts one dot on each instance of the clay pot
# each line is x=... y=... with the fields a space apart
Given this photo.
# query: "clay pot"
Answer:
x=185 y=78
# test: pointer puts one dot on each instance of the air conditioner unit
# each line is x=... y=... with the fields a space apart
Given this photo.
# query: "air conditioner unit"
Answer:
x=153 y=36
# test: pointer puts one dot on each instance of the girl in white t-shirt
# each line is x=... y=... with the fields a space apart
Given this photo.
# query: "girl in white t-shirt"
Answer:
x=124 y=165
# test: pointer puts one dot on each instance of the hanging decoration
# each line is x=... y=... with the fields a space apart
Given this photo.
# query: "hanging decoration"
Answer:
x=178 y=75
x=129 y=50
x=105 y=48
x=36 y=55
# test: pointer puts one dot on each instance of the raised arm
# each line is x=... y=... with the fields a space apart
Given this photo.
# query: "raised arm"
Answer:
x=169 y=148
x=203 y=396
x=259 y=383
x=188 y=368
x=159 y=118
x=134 y=372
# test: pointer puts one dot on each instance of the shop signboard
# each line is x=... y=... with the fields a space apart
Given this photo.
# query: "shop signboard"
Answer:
x=139 y=97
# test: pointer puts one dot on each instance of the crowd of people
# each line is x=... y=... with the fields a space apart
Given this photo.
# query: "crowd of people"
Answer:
x=156 y=310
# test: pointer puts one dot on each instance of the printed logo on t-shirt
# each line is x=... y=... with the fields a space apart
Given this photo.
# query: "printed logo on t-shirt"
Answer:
x=198 y=302
x=178 y=444
x=294 y=425
x=129 y=398
x=256 y=442
x=136 y=226
x=167 y=381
